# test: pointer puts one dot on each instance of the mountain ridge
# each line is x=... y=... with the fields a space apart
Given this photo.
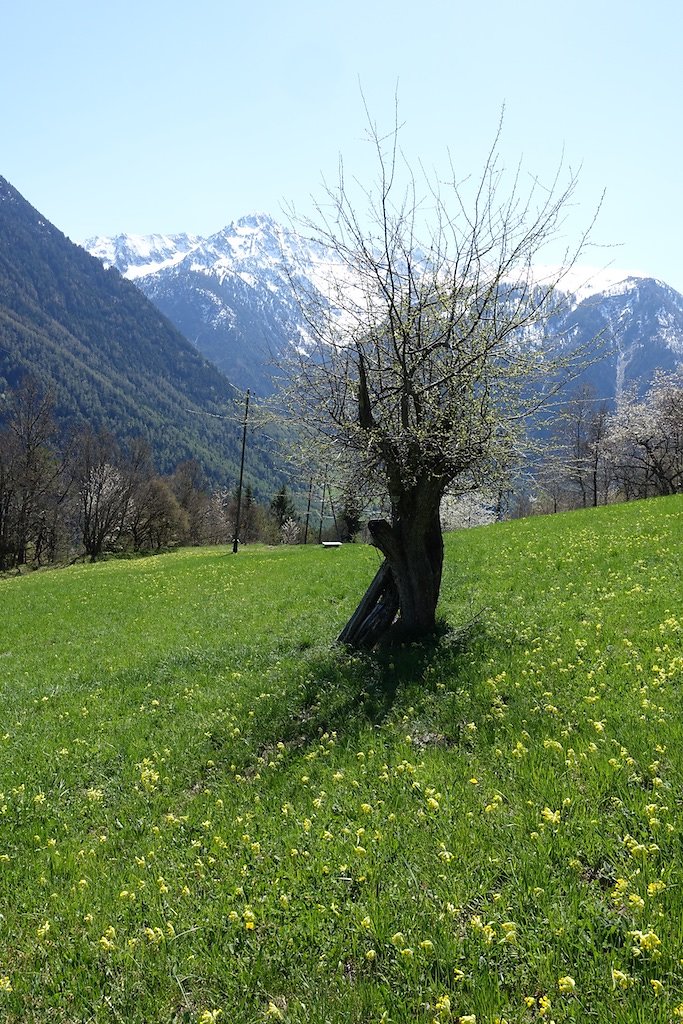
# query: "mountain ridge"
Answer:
x=231 y=295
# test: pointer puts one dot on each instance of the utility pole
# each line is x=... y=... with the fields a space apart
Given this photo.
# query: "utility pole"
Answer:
x=308 y=509
x=334 y=517
x=239 y=488
x=322 y=509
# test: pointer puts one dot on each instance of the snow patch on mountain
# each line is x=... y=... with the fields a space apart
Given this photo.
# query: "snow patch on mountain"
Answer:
x=136 y=256
x=582 y=282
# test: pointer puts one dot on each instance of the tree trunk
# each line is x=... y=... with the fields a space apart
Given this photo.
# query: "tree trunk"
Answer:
x=375 y=613
x=410 y=579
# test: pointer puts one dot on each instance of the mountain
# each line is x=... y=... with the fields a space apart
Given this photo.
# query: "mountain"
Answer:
x=231 y=295
x=108 y=355
x=143 y=254
x=640 y=321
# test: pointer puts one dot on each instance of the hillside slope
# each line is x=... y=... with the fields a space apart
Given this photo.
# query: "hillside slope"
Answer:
x=211 y=812
x=108 y=355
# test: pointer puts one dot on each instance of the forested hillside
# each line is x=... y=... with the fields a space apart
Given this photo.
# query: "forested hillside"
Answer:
x=106 y=354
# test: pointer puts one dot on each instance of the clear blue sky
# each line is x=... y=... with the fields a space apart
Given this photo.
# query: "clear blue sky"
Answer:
x=146 y=116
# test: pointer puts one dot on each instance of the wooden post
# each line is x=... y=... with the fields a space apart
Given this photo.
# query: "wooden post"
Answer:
x=308 y=509
x=239 y=489
x=375 y=613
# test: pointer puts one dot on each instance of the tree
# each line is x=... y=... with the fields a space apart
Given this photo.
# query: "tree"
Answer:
x=584 y=423
x=282 y=507
x=574 y=470
x=220 y=517
x=645 y=438
x=251 y=517
x=30 y=468
x=425 y=352
x=290 y=531
x=155 y=519
x=104 y=492
x=189 y=487
x=350 y=516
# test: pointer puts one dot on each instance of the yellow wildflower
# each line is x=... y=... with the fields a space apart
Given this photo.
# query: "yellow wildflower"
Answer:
x=209 y=1016
x=620 y=979
x=648 y=942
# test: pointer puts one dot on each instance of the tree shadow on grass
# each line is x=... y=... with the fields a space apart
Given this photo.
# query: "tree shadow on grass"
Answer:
x=343 y=689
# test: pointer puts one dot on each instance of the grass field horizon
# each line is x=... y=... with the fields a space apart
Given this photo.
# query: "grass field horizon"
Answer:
x=210 y=812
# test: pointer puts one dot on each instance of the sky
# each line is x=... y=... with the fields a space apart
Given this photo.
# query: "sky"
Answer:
x=143 y=116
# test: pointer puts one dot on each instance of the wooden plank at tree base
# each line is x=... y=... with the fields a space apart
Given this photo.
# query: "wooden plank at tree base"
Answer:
x=375 y=613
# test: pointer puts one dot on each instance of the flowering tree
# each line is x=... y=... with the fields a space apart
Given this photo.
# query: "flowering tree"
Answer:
x=645 y=438
x=425 y=353
x=103 y=492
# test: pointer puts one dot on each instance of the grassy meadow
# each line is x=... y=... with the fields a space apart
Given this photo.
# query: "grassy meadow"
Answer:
x=210 y=813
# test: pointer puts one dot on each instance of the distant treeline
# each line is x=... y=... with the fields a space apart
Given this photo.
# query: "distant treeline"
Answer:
x=87 y=496
x=595 y=456
x=589 y=455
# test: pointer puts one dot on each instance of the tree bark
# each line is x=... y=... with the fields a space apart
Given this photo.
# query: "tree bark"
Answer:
x=414 y=553
x=409 y=581
x=375 y=613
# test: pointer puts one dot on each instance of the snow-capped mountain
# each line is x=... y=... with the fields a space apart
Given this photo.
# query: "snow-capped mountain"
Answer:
x=640 y=322
x=231 y=295
x=139 y=255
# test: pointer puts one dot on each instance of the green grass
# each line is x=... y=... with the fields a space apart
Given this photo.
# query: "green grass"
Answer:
x=208 y=812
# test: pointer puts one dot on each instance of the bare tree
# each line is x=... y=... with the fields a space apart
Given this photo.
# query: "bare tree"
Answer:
x=425 y=351
x=30 y=468
x=579 y=452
